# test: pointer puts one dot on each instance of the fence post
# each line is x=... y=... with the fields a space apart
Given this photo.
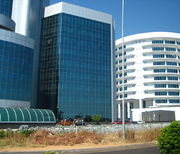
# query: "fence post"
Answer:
x=102 y=129
x=76 y=129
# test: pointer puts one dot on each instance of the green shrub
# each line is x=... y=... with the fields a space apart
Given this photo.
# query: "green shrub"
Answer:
x=2 y=134
x=96 y=118
x=26 y=133
x=169 y=139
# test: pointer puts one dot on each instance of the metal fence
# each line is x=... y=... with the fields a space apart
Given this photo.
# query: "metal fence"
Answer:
x=106 y=128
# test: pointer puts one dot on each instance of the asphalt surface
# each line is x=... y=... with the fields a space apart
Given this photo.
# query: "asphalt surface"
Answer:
x=151 y=150
x=148 y=148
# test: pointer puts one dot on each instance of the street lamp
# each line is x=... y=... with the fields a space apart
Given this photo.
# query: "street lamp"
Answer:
x=123 y=118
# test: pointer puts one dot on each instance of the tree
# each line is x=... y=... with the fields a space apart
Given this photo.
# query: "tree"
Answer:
x=96 y=118
x=79 y=116
x=169 y=139
x=88 y=118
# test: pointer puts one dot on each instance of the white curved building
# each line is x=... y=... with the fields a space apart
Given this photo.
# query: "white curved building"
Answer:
x=151 y=72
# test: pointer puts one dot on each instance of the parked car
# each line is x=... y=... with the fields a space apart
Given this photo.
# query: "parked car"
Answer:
x=65 y=123
x=120 y=122
x=79 y=123
x=137 y=122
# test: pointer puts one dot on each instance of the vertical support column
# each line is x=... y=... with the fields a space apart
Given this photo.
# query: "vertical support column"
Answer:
x=140 y=107
x=140 y=103
x=119 y=111
x=154 y=102
x=128 y=110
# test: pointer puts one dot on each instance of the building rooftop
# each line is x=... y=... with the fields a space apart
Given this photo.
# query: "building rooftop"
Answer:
x=76 y=10
x=148 y=35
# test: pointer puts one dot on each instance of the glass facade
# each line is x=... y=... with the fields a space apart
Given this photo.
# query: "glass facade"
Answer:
x=6 y=7
x=15 y=71
x=75 y=66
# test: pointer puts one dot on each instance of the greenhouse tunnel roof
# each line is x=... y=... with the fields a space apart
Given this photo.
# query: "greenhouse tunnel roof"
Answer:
x=26 y=115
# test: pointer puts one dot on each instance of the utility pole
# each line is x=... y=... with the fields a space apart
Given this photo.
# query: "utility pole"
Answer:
x=57 y=114
x=123 y=118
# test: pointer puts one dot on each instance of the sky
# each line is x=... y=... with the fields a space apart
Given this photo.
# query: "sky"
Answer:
x=140 y=15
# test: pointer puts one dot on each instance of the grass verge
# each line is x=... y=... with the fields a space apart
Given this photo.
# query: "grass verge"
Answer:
x=44 y=138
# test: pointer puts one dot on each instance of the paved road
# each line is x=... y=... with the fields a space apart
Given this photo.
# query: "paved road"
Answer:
x=151 y=150
x=129 y=149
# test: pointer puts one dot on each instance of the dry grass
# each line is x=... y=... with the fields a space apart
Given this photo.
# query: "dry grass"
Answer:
x=148 y=135
x=111 y=138
x=117 y=137
x=130 y=135
x=14 y=140
x=44 y=137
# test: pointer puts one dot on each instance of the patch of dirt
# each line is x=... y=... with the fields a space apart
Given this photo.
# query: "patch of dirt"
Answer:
x=44 y=137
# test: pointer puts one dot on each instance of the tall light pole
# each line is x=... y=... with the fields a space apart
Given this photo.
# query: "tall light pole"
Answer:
x=123 y=118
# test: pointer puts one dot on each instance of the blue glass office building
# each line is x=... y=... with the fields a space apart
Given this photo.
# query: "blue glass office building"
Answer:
x=76 y=74
x=5 y=15
x=6 y=7
x=28 y=14
x=16 y=62
x=16 y=59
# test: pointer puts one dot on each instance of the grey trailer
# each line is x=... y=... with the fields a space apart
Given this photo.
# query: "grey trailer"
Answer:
x=158 y=116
